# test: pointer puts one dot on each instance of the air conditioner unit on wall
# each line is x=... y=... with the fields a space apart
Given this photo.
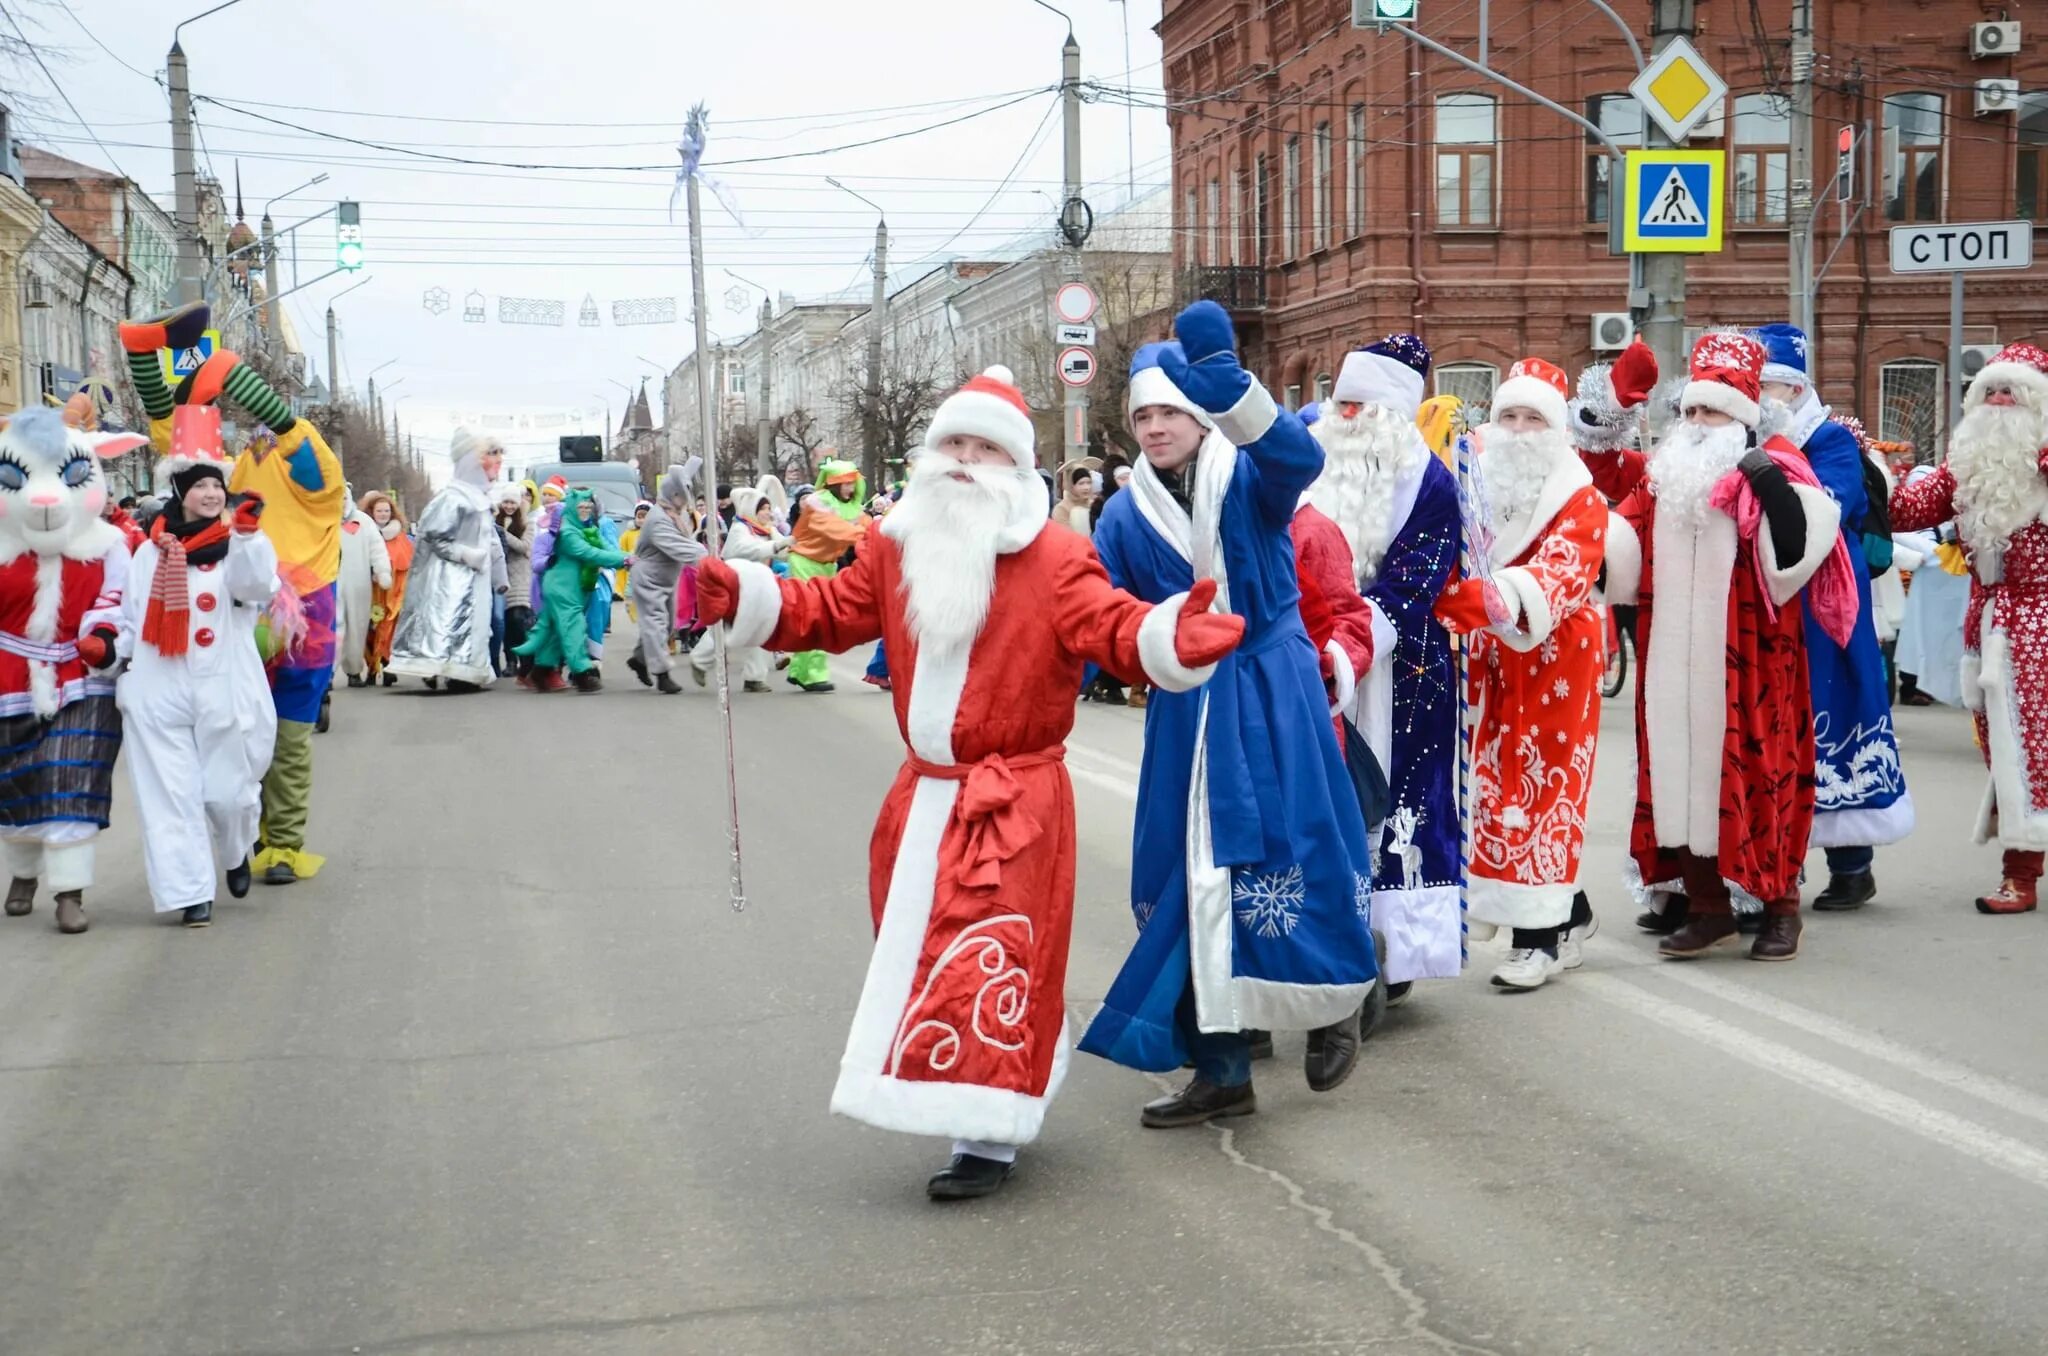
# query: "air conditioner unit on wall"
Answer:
x=1975 y=356
x=1612 y=330
x=1995 y=39
x=2000 y=94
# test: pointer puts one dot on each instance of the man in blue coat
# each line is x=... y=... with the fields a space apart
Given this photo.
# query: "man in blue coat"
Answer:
x=1860 y=796
x=1250 y=876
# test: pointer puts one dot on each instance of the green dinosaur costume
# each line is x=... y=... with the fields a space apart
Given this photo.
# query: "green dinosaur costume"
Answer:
x=561 y=634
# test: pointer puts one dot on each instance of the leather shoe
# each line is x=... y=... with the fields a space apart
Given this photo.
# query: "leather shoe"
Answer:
x=71 y=912
x=1846 y=892
x=2012 y=896
x=1259 y=1043
x=1701 y=933
x=639 y=670
x=1677 y=908
x=21 y=896
x=199 y=915
x=238 y=878
x=1778 y=940
x=1198 y=1103
x=968 y=1176
x=1331 y=1055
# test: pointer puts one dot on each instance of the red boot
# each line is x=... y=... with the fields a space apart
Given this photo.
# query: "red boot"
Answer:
x=549 y=680
x=2012 y=896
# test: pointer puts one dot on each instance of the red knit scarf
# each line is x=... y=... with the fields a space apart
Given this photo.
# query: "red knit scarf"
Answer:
x=167 y=623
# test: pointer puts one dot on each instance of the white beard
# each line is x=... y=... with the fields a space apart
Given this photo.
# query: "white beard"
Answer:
x=1689 y=463
x=1513 y=468
x=948 y=533
x=1365 y=457
x=1995 y=459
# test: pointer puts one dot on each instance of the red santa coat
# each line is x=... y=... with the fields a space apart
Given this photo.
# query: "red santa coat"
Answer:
x=46 y=603
x=1356 y=630
x=1724 y=716
x=2005 y=661
x=1535 y=695
x=961 y=1027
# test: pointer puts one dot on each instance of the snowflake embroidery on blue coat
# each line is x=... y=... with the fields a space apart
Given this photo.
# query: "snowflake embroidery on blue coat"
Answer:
x=1361 y=895
x=1270 y=905
x=1143 y=908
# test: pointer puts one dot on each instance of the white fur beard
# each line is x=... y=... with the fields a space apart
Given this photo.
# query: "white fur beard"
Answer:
x=1513 y=467
x=1689 y=463
x=1995 y=459
x=947 y=531
x=1364 y=457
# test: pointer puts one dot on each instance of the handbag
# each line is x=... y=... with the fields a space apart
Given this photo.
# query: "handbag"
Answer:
x=1368 y=779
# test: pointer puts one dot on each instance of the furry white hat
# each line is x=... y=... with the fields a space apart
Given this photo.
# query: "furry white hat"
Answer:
x=1533 y=384
x=989 y=406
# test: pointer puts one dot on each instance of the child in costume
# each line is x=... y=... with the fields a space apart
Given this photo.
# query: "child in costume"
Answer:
x=386 y=601
x=298 y=477
x=830 y=522
x=365 y=569
x=201 y=728
x=62 y=573
x=561 y=634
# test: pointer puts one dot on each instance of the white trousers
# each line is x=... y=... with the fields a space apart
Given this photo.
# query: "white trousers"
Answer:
x=752 y=661
x=60 y=865
x=197 y=761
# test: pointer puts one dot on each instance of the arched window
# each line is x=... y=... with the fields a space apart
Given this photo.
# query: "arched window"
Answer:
x=1913 y=178
x=1763 y=157
x=1621 y=118
x=1467 y=136
x=1472 y=384
x=1290 y=196
x=1910 y=406
x=1354 y=170
x=1320 y=180
x=1322 y=386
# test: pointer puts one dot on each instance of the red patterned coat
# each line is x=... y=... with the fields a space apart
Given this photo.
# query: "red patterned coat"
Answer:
x=961 y=1027
x=46 y=603
x=1724 y=716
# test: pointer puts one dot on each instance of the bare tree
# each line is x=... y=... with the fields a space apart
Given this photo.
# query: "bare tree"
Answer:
x=797 y=440
x=369 y=457
x=20 y=77
x=1136 y=292
x=914 y=381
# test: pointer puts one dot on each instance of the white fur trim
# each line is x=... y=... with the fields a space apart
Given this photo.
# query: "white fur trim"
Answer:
x=1970 y=674
x=935 y=688
x=42 y=629
x=1864 y=827
x=1151 y=386
x=1533 y=393
x=1823 y=529
x=1716 y=395
x=1157 y=652
x=1518 y=535
x=1519 y=587
x=1373 y=709
x=1249 y=419
x=981 y=414
x=1344 y=681
x=2013 y=374
x=1624 y=561
x=2008 y=802
x=1420 y=928
x=760 y=606
x=1685 y=679
x=1789 y=376
x=1513 y=904
x=1375 y=379
x=866 y=1090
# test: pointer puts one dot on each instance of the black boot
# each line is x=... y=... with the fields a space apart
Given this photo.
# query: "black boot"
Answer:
x=968 y=1176
x=588 y=681
x=639 y=670
x=1662 y=923
x=199 y=915
x=391 y=680
x=1197 y=1103
x=21 y=897
x=1846 y=892
x=1331 y=1055
x=322 y=720
x=238 y=878
x=664 y=683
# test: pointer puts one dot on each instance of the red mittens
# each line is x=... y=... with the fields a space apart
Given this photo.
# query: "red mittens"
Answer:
x=1202 y=637
x=248 y=512
x=1635 y=372
x=96 y=648
x=718 y=590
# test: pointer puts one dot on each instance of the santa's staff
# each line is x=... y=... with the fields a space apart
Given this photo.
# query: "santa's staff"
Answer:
x=692 y=150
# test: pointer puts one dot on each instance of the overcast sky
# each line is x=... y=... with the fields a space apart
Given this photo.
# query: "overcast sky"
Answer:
x=603 y=84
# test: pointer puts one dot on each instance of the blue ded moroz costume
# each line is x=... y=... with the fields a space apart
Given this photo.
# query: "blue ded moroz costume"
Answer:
x=1860 y=796
x=1250 y=875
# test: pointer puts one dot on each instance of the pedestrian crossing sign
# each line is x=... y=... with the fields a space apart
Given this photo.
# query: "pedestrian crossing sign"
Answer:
x=180 y=363
x=1672 y=201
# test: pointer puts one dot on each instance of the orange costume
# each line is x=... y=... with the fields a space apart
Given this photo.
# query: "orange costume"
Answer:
x=385 y=604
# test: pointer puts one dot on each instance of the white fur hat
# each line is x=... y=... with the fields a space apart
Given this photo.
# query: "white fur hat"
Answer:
x=989 y=406
x=2021 y=366
x=1533 y=384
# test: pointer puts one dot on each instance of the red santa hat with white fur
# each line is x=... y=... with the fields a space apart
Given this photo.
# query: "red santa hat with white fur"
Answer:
x=1727 y=374
x=989 y=406
x=2021 y=366
x=1533 y=384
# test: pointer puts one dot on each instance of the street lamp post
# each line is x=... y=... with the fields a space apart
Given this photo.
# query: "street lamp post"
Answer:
x=184 y=169
x=272 y=341
x=333 y=347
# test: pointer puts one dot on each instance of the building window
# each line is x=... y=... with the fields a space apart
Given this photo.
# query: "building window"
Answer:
x=1236 y=218
x=1319 y=171
x=1910 y=405
x=1763 y=158
x=1290 y=196
x=1188 y=224
x=1354 y=169
x=1322 y=386
x=1214 y=225
x=1913 y=188
x=1261 y=195
x=2030 y=176
x=1472 y=384
x=1291 y=397
x=1621 y=118
x=1465 y=149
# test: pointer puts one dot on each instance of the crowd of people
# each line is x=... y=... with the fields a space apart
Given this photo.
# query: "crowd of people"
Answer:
x=1372 y=641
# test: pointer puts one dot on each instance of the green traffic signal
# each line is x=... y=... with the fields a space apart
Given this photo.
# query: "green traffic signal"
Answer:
x=1394 y=11
x=348 y=236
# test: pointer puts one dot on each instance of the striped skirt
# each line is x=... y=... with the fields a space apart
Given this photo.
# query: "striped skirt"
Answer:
x=60 y=770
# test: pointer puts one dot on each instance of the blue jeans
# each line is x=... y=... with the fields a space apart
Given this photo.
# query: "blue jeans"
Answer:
x=1851 y=861
x=498 y=634
x=1223 y=1058
x=878 y=665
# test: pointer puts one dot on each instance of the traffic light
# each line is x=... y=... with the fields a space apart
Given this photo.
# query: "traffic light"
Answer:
x=1845 y=165
x=1364 y=12
x=348 y=236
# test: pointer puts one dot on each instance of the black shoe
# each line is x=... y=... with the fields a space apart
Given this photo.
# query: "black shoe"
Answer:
x=817 y=687
x=433 y=684
x=639 y=670
x=391 y=680
x=456 y=685
x=1749 y=924
x=1261 y=1043
x=1397 y=992
x=1197 y=1103
x=588 y=680
x=281 y=874
x=199 y=915
x=666 y=684
x=1331 y=1055
x=1677 y=908
x=968 y=1176
x=355 y=680
x=1846 y=892
x=239 y=878
x=321 y=721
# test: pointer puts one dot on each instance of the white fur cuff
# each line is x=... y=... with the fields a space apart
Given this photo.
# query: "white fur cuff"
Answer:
x=1344 y=683
x=1624 y=561
x=1715 y=395
x=1525 y=595
x=1247 y=421
x=1384 y=636
x=1823 y=529
x=760 y=606
x=1157 y=652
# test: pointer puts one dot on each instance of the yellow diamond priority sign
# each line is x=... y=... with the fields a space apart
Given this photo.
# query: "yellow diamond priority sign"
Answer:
x=1678 y=89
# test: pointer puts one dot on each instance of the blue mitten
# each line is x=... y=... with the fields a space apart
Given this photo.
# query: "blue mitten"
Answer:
x=1206 y=368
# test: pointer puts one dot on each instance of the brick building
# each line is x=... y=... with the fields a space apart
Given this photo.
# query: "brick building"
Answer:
x=1332 y=184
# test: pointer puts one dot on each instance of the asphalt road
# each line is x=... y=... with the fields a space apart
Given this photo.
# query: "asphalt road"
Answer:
x=511 y=1076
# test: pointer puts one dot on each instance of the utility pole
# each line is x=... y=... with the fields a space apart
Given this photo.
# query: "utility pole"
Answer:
x=333 y=360
x=1799 y=206
x=1663 y=275
x=878 y=316
x=272 y=345
x=1073 y=225
x=184 y=175
x=764 y=435
x=376 y=415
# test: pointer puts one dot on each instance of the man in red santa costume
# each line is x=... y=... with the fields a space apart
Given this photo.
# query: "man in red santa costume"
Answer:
x=1993 y=485
x=1732 y=535
x=1533 y=668
x=989 y=621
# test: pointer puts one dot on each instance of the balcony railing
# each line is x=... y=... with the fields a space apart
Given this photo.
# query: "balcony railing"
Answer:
x=1233 y=288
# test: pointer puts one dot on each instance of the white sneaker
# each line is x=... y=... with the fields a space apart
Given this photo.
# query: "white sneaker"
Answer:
x=1570 y=953
x=1525 y=968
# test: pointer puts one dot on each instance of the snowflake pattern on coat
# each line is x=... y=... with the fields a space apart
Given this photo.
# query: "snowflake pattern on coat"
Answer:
x=1270 y=904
